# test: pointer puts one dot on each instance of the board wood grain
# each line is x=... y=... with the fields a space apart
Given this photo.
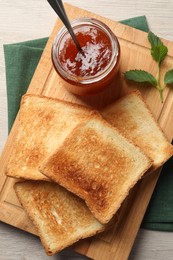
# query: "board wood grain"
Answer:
x=117 y=242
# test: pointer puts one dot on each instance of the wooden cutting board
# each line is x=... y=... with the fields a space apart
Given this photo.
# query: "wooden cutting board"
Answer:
x=117 y=242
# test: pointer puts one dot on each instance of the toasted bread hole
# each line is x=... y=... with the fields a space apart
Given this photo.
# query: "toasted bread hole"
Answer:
x=97 y=165
x=110 y=193
x=94 y=185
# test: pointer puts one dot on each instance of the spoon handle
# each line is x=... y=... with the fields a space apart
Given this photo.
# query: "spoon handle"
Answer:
x=58 y=7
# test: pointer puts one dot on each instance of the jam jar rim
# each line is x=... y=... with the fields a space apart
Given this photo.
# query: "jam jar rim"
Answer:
x=99 y=76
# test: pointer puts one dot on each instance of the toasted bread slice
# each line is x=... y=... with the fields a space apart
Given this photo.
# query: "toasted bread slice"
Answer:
x=132 y=118
x=99 y=165
x=44 y=124
x=61 y=218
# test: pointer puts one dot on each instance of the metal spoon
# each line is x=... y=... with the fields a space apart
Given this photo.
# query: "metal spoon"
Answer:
x=58 y=7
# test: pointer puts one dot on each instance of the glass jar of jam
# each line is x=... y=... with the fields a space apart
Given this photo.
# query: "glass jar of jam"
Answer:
x=94 y=67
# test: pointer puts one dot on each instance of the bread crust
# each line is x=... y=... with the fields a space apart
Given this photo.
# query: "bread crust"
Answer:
x=75 y=105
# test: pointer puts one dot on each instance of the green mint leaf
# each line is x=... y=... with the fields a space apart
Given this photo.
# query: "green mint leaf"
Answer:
x=168 y=79
x=140 y=76
x=158 y=49
x=154 y=40
x=159 y=52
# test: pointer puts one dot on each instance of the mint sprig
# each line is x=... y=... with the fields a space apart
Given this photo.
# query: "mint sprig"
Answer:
x=159 y=52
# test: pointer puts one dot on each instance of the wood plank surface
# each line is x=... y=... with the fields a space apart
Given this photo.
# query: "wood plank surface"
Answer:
x=135 y=54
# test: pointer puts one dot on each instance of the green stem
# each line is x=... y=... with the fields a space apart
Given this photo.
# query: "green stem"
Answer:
x=160 y=89
x=161 y=94
x=158 y=75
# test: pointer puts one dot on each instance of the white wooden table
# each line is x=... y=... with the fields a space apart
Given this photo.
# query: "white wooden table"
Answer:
x=24 y=20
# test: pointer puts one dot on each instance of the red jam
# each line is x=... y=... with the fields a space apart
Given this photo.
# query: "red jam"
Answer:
x=95 y=55
x=93 y=68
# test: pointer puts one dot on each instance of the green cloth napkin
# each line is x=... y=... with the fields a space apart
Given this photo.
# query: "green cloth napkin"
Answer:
x=21 y=60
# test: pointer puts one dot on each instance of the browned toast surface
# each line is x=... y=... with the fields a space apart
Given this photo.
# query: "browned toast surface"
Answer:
x=44 y=124
x=131 y=116
x=61 y=218
x=98 y=164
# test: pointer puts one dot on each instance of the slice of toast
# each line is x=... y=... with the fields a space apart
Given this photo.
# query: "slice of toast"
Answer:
x=43 y=126
x=99 y=165
x=132 y=118
x=61 y=218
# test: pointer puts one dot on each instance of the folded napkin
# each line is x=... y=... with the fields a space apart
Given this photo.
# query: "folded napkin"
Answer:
x=21 y=60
